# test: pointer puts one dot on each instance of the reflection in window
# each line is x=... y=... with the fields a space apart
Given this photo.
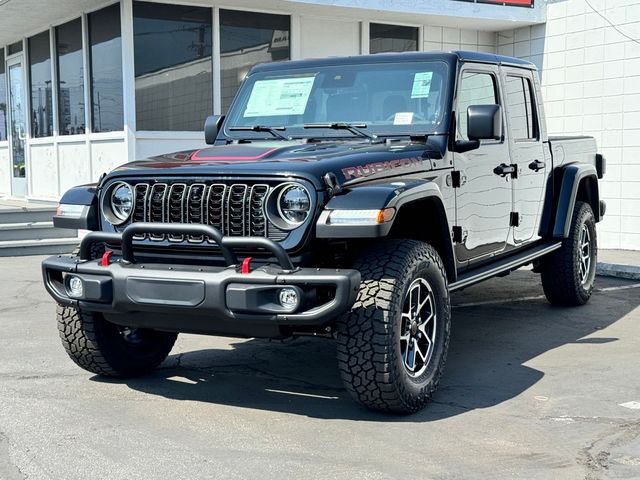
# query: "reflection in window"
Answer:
x=392 y=38
x=70 y=78
x=106 y=69
x=3 y=98
x=474 y=89
x=173 y=66
x=520 y=112
x=41 y=95
x=248 y=38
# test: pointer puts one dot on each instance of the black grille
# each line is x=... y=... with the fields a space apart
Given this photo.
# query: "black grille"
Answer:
x=236 y=209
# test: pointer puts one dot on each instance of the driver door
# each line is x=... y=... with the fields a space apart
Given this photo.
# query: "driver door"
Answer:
x=483 y=199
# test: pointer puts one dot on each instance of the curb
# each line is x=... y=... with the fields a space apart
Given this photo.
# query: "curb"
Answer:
x=629 y=272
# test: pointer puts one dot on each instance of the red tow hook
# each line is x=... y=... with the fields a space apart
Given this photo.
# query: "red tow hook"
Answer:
x=106 y=258
x=246 y=266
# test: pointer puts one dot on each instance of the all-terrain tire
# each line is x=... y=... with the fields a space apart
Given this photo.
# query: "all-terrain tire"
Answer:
x=563 y=280
x=370 y=354
x=104 y=348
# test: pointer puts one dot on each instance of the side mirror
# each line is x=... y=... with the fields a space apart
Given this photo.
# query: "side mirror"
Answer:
x=484 y=122
x=211 y=128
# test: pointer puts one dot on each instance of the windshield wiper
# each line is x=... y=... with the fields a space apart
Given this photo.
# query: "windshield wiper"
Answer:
x=261 y=128
x=352 y=127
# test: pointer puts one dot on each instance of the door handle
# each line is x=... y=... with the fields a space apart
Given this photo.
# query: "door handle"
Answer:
x=503 y=170
x=536 y=165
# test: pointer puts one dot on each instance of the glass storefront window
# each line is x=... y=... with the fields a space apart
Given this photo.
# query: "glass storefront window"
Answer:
x=71 y=119
x=41 y=87
x=105 y=66
x=3 y=99
x=248 y=38
x=392 y=38
x=14 y=48
x=173 y=66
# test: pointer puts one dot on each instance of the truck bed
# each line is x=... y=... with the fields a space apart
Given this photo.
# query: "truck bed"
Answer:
x=571 y=149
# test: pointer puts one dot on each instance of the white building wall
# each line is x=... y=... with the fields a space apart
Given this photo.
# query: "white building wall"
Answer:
x=448 y=38
x=324 y=37
x=590 y=74
x=55 y=164
x=5 y=169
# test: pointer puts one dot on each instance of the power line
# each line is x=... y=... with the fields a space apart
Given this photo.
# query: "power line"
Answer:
x=615 y=27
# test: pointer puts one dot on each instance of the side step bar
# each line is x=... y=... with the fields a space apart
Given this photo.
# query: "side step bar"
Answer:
x=507 y=264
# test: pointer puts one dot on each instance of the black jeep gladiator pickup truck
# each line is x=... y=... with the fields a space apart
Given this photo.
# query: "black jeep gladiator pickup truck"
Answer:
x=344 y=197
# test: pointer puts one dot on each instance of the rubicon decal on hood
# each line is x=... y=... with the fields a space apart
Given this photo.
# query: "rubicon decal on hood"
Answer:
x=361 y=171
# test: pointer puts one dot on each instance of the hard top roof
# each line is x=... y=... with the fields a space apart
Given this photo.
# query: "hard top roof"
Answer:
x=449 y=57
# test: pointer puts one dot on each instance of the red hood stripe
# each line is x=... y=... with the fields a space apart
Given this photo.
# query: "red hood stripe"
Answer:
x=195 y=156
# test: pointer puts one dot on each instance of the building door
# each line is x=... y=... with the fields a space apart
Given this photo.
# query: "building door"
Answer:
x=17 y=125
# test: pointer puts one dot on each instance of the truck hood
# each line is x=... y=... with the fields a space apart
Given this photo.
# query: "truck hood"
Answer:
x=350 y=161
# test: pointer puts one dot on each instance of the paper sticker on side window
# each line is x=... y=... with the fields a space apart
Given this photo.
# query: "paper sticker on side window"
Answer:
x=421 y=85
x=280 y=96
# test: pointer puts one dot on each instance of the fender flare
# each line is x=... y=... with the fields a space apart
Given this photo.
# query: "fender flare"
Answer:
x=572 y=176
x=85 y=195
x=381 y=196
x=373 y=197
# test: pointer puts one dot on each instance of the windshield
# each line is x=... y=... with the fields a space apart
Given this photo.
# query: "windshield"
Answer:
x=383 y=99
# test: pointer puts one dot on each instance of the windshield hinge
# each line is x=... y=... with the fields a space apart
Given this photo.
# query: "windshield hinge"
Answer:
x=332 y=183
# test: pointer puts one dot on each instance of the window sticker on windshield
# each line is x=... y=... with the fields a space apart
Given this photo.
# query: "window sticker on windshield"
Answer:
x=421 y=85
x=403 y=118
x=280 y=96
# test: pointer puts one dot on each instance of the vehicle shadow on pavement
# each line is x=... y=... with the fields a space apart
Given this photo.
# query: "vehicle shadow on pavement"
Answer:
x=490 y=345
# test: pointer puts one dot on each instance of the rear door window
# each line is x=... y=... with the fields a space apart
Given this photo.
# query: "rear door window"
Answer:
x=520 y=108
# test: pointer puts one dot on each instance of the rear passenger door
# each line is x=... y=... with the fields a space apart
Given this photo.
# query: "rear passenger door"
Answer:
x=483 y=199
x=526 y=151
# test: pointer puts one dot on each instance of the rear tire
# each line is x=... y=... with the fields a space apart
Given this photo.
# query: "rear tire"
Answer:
x=392 y=350
x=107 y=349
x=568 y=274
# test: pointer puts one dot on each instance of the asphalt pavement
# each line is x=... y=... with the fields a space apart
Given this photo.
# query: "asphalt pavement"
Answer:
x=530 y=391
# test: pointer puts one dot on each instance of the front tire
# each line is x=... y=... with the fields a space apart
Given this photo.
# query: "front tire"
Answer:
x=393 y=345
x=107 y=349
x=568 y=274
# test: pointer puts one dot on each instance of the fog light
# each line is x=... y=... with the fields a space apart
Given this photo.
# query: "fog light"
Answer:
x=75 y=288
x=288 y=298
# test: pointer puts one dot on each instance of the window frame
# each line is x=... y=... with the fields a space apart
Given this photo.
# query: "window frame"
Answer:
x=128 y=37
x=57 y=80
x=498 y=95
x=50 y=32
x=418 y=29
x=89 y=93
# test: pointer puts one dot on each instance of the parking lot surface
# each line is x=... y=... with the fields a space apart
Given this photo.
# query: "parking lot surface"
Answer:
x=530 y=391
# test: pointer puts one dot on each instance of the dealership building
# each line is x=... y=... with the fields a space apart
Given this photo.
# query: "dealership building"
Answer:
x=86 y=85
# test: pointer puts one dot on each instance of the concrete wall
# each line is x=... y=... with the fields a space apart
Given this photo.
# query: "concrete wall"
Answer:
x=590 y=74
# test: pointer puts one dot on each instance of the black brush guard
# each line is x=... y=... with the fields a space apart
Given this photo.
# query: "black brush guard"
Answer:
x=199 y=299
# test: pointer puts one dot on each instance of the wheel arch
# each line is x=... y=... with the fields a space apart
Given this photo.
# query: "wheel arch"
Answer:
x=579 y=183
x=433 y=229
x=413 y=200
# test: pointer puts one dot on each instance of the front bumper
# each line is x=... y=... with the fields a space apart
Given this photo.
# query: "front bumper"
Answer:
x=200 y=299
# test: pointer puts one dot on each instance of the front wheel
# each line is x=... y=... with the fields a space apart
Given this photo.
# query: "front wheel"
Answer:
x=110 y=350
x=568 y=274
x=393 y=344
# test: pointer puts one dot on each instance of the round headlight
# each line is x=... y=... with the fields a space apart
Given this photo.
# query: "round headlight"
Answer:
x=294 y=204
x=122 y=201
